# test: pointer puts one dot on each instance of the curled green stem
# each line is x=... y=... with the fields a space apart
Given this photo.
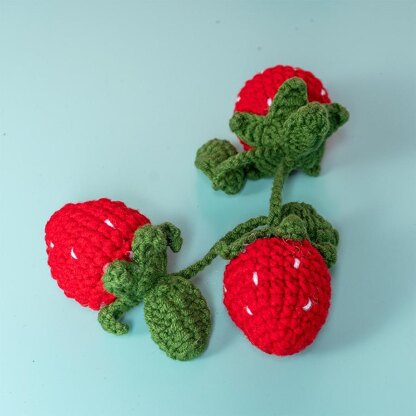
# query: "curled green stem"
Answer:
x=110 y=315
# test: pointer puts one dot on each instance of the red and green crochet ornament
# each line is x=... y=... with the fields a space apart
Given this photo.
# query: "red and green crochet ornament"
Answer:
x=109 y=257
x=277 y=285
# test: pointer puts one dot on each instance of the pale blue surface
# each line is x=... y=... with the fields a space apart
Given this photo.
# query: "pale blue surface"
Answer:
x=113 y=99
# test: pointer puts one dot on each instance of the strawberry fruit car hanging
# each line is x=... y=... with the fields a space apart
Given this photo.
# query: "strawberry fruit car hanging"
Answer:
x=277 y=286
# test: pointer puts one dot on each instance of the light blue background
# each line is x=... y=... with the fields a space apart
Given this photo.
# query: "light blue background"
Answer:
x=113 y=99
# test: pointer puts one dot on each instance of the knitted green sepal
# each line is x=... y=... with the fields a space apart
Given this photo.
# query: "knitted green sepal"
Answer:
x=299 y=222
x=176 y=313
x=294 y=130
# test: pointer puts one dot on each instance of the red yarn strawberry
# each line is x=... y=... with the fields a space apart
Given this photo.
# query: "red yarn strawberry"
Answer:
x=287 y=126
x=257 y=94
x=82 y=239
x=277 y=285
x=278 y=293
x=109 y=257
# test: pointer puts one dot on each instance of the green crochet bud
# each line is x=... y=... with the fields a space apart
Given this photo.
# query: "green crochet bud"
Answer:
x=212 y=154
x=212 y=158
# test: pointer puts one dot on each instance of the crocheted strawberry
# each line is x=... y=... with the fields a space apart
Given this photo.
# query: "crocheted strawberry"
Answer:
x=277 y=284
x=257 y=94
x=278 y=293
x=294 y=130
x=82 y=238
x=109 y=257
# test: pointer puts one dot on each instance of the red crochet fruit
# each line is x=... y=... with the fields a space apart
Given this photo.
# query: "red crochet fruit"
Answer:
x=257 y=94
x=278 y=293
x=82 y=239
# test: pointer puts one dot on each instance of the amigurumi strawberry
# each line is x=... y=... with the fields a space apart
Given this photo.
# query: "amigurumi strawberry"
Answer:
x=257 y=94
x=106 y=255
x=277 y=285
x=293 y=129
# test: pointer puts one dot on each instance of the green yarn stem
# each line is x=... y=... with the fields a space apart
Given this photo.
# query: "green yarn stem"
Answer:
x=227 y=239
x=275 y=206
x=110 y=315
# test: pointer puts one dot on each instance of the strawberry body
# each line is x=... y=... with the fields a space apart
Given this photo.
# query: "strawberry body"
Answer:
x=82 y=239
x=257 y=94
x=278 y=293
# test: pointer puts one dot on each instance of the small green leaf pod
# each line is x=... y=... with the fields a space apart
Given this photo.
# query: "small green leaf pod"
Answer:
x=178 y=318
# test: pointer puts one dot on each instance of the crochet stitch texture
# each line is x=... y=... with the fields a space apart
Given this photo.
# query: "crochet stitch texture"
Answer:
x=278 y=292
x=82 y=238
x=257 y=94
x=277 y=284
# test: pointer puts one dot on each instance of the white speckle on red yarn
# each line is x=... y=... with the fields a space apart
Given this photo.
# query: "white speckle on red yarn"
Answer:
x=238 y=99
x=255 y=278
x=225 y=289
x=296 y=263
x=269 y=102
x=109 y=223
x=323 y=92
x=248 y=310
x=308 y=305
x=51 y=245
x=73 y=255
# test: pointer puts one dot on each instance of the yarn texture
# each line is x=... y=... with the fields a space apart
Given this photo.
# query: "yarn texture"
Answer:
x=293 y=132
x=277 y=285
x=278 y=292
x=257 y=94
x=106 y=255
x=82 y=238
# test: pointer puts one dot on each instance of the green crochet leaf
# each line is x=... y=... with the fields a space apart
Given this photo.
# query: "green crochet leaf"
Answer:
x=292 y=227
x=178 y=318
x=173 y=236
x=290 y=97
x=304 y=132
x=121 y=278
x=250 y=128
x=266 y=130
x=337 y=116
x=320 y=232
x=311 y=164
x=150 y=254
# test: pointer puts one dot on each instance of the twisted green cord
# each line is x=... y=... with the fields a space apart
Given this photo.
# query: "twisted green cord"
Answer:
x=275 y=205
x=218 y=247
